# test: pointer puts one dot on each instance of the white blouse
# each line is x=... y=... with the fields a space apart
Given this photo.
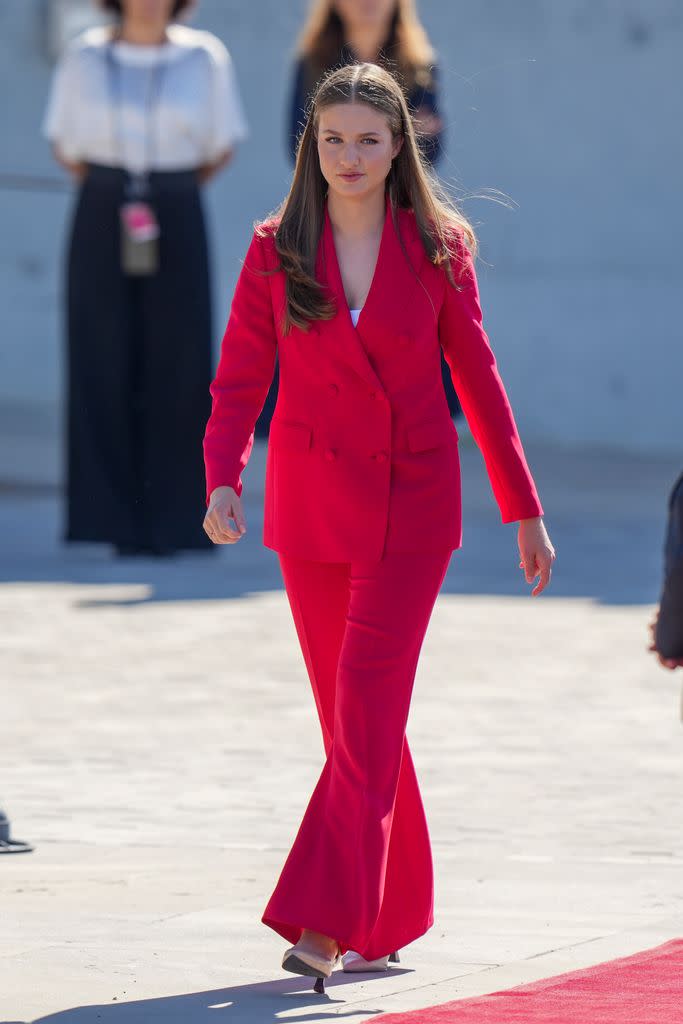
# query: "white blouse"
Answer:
x=355 y=313
x=173 y=106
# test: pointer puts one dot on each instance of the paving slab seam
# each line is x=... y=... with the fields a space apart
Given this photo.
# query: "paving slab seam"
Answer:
x=414 y=988
x=570 y=945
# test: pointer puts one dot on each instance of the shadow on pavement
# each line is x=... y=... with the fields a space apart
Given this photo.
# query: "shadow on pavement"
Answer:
x=248 y=1004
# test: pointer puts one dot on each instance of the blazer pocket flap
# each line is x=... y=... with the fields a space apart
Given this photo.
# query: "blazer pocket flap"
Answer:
x=428 y=435
x=296 y=436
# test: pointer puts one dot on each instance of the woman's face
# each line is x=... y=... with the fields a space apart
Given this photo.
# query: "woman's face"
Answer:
x=148 y=10
x=355 y=148
x=365 y=13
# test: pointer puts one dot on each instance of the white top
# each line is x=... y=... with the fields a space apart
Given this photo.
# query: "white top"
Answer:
x=355 y=313
x=196 y=117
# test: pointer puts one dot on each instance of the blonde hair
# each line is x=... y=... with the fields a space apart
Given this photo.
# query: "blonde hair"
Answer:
x=297 y=225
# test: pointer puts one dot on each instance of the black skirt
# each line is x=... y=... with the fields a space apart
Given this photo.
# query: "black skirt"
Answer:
x=139 y=370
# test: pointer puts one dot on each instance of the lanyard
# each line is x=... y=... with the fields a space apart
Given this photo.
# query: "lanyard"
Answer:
x=139 y=180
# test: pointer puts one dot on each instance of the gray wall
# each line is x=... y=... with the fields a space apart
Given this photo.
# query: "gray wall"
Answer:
x=570 y=108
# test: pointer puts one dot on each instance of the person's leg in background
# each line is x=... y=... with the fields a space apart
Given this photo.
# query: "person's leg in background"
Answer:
x=363 y=839
x=175 y=402
x=101 y=479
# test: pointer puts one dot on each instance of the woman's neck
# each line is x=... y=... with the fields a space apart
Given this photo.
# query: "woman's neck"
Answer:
x=143 y=33
x=366 y=41
x=357 y=218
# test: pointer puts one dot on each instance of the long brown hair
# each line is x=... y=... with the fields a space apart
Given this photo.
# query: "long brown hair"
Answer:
x=407 y=52
x=410 y=186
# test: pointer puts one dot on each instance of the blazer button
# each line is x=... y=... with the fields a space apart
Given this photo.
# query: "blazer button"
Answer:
x=378 y=395
x=330 y=454
x=404 y=340
x=380 y=456
x=333 y=389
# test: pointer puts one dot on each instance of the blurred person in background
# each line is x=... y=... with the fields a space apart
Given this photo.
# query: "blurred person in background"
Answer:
x=384 y=32
x=365 y=274
x=141 y=114
x=667 y=628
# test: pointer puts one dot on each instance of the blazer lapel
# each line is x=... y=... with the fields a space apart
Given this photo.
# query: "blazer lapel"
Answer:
x=349 y=344
x=391 y=289
x=391 y=299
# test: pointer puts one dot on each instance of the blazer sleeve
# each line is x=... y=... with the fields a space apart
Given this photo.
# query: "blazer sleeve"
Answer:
x=245 y=371
x=482 y=394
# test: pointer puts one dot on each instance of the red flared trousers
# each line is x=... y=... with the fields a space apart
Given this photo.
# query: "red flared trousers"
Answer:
x=360 y=868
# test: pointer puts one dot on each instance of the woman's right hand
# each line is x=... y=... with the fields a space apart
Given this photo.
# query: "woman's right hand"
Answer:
x=224 y=505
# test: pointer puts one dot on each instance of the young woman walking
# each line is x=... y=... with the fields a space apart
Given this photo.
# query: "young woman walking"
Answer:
x=360 y=280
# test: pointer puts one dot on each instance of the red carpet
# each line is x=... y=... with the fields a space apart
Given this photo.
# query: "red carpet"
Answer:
x=643 y=989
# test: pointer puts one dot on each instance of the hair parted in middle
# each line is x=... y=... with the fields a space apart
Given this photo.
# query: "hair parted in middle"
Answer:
x=410 y=185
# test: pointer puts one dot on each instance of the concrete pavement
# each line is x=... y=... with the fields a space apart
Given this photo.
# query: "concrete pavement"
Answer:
x=159 y=745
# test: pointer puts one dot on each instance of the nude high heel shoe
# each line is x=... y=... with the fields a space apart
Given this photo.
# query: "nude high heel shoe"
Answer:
x=355 y=963
x=300 y=959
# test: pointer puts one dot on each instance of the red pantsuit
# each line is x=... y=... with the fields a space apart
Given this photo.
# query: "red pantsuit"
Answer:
x=362 y=504
x=360 y=868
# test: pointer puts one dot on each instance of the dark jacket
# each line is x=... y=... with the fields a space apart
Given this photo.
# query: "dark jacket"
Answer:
x=669 y=630
x=304 y=83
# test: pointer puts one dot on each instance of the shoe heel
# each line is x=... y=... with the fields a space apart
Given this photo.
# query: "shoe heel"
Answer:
x=299 y=964
x=394 y=958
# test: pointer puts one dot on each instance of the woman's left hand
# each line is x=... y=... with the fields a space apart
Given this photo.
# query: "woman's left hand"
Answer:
x=536 y=552
x=208 y=171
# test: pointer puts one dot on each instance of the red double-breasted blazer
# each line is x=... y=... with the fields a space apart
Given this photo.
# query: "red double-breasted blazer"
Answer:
x=363 y=454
